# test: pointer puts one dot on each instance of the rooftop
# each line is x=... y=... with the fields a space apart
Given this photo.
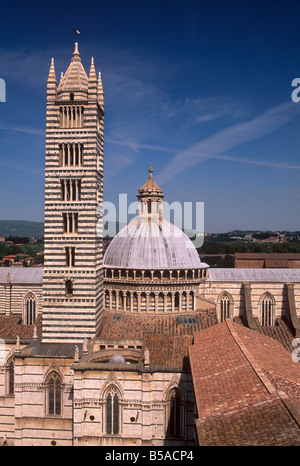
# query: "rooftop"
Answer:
x=247 y=388
x=254 y=275
x=21 y=274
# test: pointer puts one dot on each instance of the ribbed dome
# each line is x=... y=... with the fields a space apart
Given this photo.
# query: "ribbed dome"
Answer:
x=151 y=243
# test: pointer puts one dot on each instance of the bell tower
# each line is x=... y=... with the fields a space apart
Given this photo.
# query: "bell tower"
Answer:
x=72 y=281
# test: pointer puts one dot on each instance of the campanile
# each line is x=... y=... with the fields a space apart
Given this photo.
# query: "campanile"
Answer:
x=72 y=281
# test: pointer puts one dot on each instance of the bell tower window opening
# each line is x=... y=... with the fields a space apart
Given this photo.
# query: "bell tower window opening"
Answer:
x=70 y=223
x=71 y=116
x=70 y=256
x=70 y=190
x=69 y=288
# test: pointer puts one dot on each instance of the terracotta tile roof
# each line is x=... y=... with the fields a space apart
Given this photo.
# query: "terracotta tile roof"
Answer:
x=12 y=326
x=168 y=351
x=247 y=388
x=164 y=336
x=136 y=325
x=150 y=186
x=280 y=331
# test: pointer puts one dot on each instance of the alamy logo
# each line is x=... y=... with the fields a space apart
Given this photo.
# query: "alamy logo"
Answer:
x=295 y=94
x=2 y=90
x=2 y=351
x=187 y=216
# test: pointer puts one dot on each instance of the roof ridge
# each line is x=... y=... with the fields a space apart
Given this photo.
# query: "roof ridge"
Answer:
x=254 y=364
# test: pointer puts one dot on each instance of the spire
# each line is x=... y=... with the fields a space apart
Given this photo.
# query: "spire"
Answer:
x=75 y=78
x=93 y=76
x=100 y=90
x=76 y=51
x=52 y=75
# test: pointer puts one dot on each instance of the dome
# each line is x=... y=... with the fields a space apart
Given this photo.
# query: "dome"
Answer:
x=117 y=359
x=151 y=243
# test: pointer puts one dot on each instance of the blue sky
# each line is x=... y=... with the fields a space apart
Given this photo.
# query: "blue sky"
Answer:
x=201 y=89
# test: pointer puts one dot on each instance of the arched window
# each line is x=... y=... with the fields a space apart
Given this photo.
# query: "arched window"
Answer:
x=175 y=414
x=112 y=412
x=225 y=307
x=266 y=310
x=30 y=309
x=10 y=377
x=54 y=395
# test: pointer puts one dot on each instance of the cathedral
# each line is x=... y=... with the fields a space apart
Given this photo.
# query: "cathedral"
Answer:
x=145 y=345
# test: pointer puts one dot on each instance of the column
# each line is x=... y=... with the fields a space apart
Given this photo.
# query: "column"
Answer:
x=165 y=302
x=180 y=301
x=71 y=189
x=76 y=190
x=131 y=301
x=82 y=155
x=69 y=154
x=76 y=117
x=187 y=300
x=74 y=154
x=173 y=301
x=68 y=223
x=156 y=301
x=117 y=300
x=139 y=300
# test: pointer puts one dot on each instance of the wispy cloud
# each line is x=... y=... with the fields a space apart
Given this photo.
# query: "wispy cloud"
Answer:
x=137 y=147
x=22 y=129
x=229 y=138
x=264 y=163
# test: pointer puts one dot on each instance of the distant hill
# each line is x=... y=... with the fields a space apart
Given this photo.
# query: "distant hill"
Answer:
x=21 y=228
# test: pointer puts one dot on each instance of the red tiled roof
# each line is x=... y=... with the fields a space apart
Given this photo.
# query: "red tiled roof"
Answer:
x=164 y=336
x=247 y=388
x=168 y=351
x=136 y=325
x=12 y=326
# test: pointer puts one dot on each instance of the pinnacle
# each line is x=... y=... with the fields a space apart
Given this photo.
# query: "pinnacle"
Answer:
x=52 y=75
x=93 y=76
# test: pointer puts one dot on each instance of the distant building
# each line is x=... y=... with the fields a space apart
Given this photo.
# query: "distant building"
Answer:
x=266 y=260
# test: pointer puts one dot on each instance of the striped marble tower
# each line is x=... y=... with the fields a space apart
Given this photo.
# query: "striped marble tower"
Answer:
x=72 y=282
